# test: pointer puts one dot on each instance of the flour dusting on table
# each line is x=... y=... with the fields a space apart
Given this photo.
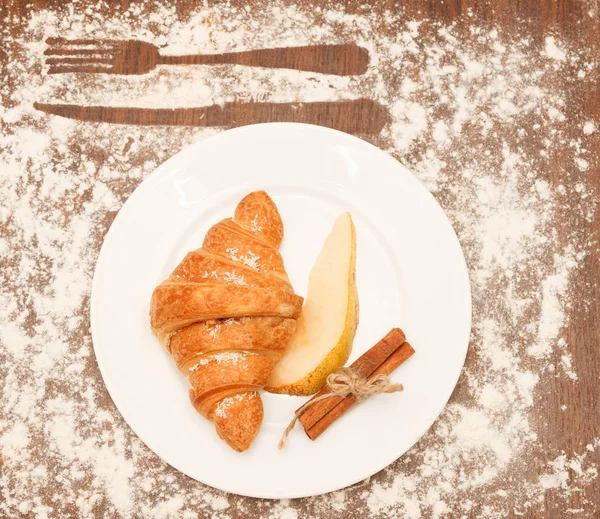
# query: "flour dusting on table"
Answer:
x=479 y=119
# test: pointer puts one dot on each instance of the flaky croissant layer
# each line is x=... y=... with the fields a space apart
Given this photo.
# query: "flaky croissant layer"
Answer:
x=226 y=313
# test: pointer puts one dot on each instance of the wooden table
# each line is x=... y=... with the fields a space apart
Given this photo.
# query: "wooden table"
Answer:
x=564 y=412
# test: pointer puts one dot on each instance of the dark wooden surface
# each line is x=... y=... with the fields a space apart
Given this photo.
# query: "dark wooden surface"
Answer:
x=572 y=429
x=359 y=117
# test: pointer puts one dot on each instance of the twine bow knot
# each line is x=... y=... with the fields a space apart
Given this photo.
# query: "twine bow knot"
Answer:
x=342 y=383
x=346 y=382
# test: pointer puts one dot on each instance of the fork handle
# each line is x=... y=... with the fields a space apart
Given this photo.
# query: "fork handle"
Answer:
x=340 y=60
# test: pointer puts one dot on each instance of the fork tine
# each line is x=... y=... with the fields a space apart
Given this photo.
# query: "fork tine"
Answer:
x=77 y=61
x=78 y=69
x=61 y=51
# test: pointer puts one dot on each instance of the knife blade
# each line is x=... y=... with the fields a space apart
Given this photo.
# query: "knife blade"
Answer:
x=360 y=116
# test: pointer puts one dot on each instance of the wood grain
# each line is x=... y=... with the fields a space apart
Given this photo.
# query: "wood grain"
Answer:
x=359 y=117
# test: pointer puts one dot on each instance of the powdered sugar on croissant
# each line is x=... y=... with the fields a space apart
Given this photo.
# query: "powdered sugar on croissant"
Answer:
x=226 y=313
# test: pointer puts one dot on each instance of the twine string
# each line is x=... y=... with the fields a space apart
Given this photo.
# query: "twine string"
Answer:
x=342 y=383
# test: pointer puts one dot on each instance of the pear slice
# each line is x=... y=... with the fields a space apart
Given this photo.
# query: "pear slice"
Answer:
x=325 y=330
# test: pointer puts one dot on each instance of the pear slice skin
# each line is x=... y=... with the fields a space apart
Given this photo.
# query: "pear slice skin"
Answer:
x=326 y=328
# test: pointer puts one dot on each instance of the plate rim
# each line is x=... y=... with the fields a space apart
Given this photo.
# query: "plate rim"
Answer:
x=144 y=185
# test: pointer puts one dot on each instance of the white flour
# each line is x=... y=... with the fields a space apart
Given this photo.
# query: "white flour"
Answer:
x=480 y=120
x=226 y=403
x=233 y=357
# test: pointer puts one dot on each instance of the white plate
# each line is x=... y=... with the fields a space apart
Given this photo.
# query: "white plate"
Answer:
x=410 y=271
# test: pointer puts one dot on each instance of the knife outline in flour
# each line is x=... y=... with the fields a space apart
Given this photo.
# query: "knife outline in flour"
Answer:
x=360 y=116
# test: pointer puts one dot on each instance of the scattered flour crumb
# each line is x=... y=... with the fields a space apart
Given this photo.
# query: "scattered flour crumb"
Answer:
x=553 y=51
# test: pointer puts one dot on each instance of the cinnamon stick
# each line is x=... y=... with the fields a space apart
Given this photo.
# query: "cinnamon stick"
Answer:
x=364 y=366
x=389 y=365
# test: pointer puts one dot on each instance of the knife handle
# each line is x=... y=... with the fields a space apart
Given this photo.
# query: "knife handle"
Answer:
x=359 y=117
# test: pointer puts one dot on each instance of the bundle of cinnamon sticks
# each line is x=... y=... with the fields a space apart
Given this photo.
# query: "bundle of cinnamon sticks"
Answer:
x=381 y=359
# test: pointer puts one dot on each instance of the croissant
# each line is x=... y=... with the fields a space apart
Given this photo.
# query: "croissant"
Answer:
x=226 y=313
